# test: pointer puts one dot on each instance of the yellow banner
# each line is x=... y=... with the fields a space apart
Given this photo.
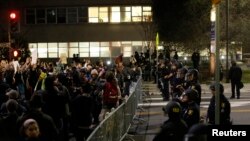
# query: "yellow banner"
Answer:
x=157 y=41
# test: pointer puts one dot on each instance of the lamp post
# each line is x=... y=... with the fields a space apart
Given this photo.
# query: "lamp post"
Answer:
x=215 y=16
x=227 y=38
x=216 y=6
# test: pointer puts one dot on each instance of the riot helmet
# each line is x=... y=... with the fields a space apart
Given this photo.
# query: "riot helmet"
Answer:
x=191 y=94
x=173 y=110
x=197 y=132
x=213 y=87
x=192 y=75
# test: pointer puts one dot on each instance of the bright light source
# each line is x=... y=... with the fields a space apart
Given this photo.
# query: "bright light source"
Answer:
x=12 y=15
x=15 y=53
x=108 y=62
x=213 y=14
x=185 y=58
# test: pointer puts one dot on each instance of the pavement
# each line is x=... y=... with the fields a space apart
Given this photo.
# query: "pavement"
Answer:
x=150 y=116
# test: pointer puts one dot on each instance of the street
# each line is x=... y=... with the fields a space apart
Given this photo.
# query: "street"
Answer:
x=150 y=115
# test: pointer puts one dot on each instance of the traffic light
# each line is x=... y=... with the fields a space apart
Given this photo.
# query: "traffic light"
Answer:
x=14 y=22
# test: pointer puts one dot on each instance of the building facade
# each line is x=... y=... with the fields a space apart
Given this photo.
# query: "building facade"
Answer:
x=89 y=28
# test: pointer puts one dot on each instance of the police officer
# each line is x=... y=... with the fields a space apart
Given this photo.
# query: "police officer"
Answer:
x=191 y=110
x=175 y=127
x=192 y=82
x=225 y=106
x=197 y=132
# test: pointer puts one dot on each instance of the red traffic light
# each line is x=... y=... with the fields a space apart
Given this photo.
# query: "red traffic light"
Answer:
x=13 y=15
x=14 y=22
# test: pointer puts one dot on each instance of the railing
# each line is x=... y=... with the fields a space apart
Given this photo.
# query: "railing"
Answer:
x=116 y=124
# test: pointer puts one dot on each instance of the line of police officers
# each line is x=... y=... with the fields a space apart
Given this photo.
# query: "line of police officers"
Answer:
x=183 y=109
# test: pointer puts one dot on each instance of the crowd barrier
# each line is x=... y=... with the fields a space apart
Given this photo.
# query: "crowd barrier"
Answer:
x=116 y=124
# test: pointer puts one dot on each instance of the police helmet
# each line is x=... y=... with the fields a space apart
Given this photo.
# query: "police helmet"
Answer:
x=213 y=87
x=197 y=132
x=173 y=109
x=194 y=73
x=192 y=94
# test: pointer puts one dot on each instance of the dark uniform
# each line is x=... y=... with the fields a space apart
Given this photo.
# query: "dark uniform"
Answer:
x=225 y=108
x=175 y=127
x=192 y=80
x=191 y=110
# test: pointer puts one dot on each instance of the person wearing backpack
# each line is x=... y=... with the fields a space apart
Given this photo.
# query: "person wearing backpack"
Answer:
x=111 y=94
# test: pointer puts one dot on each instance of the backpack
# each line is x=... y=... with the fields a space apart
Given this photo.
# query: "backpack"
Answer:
x=110 y=93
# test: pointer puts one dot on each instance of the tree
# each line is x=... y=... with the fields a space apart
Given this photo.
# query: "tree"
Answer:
x=238 y=24
x=183 y=21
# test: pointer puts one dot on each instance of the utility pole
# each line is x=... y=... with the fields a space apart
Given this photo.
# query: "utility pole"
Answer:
x=216 y=5
x=227 y=38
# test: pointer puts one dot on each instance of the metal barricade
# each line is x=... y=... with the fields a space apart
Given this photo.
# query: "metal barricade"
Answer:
x=117 y=123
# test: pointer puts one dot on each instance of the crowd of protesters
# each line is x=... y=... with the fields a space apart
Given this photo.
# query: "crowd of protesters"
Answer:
x=47 y=101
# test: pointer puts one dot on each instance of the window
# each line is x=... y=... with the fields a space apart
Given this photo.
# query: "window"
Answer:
x=30 y=16
x=84 y=49
x=73 y=48
x=63 y=51
x=93 y=15
x=61 y=15
x=136 y=13
x=103 y=14
x=72 y=15
x=126 y=14
x=83 y=15
x=127 y=51
x=105 y=52
x=115 y=15
x=42 y=50
x=52 y=50
x=112 y=14
x=40 y=16
x=51 y=15
x=95 y=49
x=147 y=14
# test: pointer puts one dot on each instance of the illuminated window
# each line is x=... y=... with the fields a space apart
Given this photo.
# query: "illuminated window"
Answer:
x=73 y=51
x=52 y=50
x=93 y=15
x=115 y=14
x=95 y=49
x=42 y=50
x=63 y=49
x=136 y=13
x=73 y=48
x=105 y=52
x=84 y=49
x=126 y=14
x=127 y=51
x=103 y=14
x=147 y=14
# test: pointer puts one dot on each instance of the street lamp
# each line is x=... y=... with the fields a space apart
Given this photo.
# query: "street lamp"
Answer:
x=216 y=6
